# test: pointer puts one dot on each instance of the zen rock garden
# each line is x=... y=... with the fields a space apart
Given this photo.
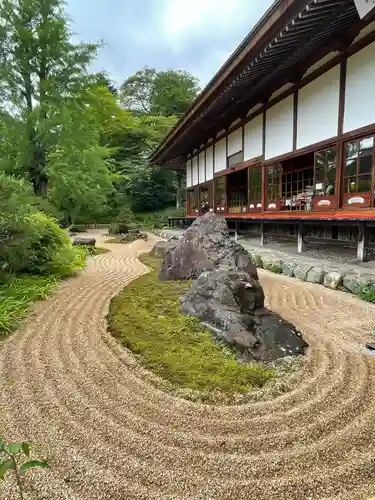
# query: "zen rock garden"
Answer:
x=226 y=295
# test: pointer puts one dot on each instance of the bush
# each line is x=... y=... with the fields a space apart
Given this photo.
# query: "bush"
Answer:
x=118 y=228
x=30 y=241
x=41 y=248
x=78 y=228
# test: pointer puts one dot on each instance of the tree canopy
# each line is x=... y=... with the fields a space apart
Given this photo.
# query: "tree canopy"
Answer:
x=81 y=142
x=165 y=93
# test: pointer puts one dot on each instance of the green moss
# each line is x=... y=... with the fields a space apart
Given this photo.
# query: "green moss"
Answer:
x=146 y=318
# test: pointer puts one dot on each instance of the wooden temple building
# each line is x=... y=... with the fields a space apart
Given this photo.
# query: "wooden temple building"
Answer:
x=282 y=139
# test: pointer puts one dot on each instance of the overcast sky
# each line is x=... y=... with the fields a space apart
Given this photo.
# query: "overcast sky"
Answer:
x=196 y=35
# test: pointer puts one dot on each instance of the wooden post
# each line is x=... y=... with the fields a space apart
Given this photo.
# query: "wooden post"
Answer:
x=262 y=236
x=301 y=243
x=363 y=237
x=236 y=232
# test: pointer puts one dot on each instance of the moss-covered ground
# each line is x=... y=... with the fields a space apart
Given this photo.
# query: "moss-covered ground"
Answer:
x=147 y=319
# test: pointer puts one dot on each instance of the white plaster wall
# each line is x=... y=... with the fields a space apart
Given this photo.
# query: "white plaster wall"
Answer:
x=318 y=109
x=209 y=163
x=235 y=142
x=320 y=63
x=220 y=155
x=202 y=168
x=279 y=128
x=188 y=174
x=253 y=138
x=195 y=170
x=359 y=92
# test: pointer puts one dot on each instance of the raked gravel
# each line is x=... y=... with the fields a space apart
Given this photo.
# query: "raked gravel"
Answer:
x=109 y=434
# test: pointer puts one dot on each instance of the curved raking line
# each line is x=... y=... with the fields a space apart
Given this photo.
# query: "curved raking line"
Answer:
x=108 y=433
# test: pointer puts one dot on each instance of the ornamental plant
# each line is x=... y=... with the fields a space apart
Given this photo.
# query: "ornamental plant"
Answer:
x=15 y=458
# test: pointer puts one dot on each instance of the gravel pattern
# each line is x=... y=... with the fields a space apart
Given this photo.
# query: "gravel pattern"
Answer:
x=109 y=434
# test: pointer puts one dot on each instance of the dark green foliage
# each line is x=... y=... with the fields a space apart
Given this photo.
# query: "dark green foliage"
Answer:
x=367 y=293
x=146 y=318
x=78 y=228
x=159 y=93
x=118 y=228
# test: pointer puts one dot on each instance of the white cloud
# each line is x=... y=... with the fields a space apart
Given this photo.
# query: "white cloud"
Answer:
x=183 y=19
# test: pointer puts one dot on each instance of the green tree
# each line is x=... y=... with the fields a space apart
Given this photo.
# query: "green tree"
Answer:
x=80 y=168
x=160 y=93
x=39 y=69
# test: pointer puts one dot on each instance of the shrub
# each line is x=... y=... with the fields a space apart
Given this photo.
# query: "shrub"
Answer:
x=78 y=228
x=30 y=241
x=118 y=228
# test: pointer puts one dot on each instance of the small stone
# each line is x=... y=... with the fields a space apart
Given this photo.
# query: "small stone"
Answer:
x=334 y=279
x=316 y=275
x=288 y=268
x=301 y=270
x=257 y=260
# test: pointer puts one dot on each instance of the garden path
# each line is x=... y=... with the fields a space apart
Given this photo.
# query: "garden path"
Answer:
x=108 y=434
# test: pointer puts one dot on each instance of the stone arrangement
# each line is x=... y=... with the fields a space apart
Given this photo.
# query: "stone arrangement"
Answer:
x=331 y=275
x=226 y=295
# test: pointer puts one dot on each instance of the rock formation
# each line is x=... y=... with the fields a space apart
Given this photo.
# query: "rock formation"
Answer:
x=205 y=246
x=231 y=304
x=226 y=294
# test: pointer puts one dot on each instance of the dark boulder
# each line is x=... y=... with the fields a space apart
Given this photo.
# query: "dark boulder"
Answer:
x=91 y=242
x=205 y=246
x=231 y=304
x=160 y=248
x=130 y=237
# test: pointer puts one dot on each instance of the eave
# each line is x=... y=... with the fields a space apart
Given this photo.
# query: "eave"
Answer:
x=292 y=36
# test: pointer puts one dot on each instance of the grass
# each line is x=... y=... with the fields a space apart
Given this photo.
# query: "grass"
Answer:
x=16 y=296
x=146 y=318
x=367 y=293
x=18 y=293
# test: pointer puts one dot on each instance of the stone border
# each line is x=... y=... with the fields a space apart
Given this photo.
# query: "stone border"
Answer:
x=335 y=277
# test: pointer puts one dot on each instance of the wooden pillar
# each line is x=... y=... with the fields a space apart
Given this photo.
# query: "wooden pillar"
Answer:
x=262 y=236
x=363 y=237
x=301 y=242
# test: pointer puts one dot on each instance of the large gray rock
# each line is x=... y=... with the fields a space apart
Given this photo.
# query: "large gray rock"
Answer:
x=205 y=246
x=356 y=282
x=231 y=304
x=316 y=275
x=161 y=247
x=91 y=242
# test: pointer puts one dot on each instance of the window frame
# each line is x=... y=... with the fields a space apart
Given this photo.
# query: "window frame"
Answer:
x=274 y=202
x=358 y=199
x=241 y=159
x=256 y=200
x=326 y=201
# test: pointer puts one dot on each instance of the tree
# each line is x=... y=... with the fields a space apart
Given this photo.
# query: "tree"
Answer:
x=80 y=167
x=103 y=80
x=39 y=68
x=163 y=93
